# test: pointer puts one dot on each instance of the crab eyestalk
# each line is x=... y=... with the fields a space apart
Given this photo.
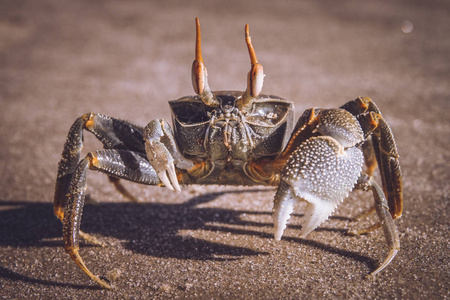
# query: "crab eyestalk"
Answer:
x=255 y=77
x=199 y=73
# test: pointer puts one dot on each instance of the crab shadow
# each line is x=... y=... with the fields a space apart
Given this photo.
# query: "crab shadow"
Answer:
x=153 y=229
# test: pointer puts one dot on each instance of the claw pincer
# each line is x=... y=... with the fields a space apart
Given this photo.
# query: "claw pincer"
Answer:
x=322 y=171
x=161 y=152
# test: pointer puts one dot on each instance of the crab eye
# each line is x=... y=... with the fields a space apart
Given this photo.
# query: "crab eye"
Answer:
x=189 y=112
x=269 y=113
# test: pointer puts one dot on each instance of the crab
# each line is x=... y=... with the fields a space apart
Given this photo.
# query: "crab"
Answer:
x=242 y=139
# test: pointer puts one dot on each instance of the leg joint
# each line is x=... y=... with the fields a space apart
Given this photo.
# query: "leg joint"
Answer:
x=88 y=119
x=94 y=163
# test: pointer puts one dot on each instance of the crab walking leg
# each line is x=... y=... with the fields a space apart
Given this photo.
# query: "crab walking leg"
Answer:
x=122 y=190
x=371 y=164
x=387 y=154
x=72 y=220
x=384 y=147
x=113 y=133
x=129 y=165
x=369 y=157
x=386 y=221
x=67 y=166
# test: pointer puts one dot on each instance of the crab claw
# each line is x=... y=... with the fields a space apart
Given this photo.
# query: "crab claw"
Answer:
x=163 y=163
x=321 y=173
x=160 y=149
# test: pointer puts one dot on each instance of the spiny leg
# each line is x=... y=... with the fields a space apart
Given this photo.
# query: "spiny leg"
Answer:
x=380 y=144
x=116 y=134
x=380 y=134
x=387 y=155
x=129 y=165
x=113 y=133
x=370 y=160
x=72 y=220
x=386 y=221
x=67 y=166
x=371 y=164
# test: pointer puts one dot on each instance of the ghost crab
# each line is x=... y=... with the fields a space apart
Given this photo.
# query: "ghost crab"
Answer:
x=240 y=138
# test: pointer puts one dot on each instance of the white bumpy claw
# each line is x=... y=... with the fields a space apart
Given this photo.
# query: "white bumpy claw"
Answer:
x=320 y=172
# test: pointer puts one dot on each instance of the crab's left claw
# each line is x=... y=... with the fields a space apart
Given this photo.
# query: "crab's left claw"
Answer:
x=320 y=172
x=161 y=152
x=162 y=162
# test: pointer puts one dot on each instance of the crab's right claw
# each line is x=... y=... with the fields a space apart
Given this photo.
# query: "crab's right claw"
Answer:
x=321 y=173
x=160 y=149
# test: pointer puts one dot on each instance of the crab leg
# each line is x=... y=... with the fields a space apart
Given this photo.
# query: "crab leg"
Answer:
x=72 y=220
x=111 y=132
x=122 y=190
x=387 y=155
x=385 y=149
x=129 y=165
x=386 y=221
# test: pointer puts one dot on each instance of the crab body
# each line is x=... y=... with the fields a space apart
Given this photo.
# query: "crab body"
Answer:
x=240 y=138
x=225 y=139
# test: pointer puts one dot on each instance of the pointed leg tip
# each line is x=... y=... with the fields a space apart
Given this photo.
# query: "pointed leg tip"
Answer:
x=352 y=232
x=103 y=284
x=369 y=277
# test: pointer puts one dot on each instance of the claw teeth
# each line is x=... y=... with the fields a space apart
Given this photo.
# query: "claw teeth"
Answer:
x=173 y=177
x=281 y=216
x=282 y=208
x=315 y=214
x=163 y=177
x=171 y=183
